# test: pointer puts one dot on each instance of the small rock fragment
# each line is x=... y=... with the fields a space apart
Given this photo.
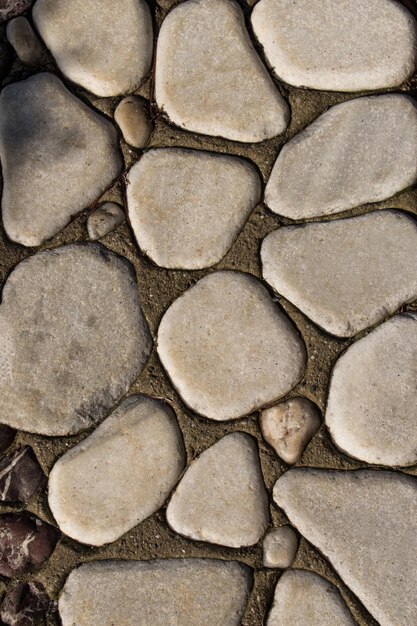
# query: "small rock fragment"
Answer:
x=25 y=543
x=132 y=117
x=209 y=78
x=222 y=497
x=289 y=427
x=280 y=547
x=304 y=598
x=104 y=220
x=20 y=475
x=178 y=592
x=7 y=434
x=24 y=604
x=11 y=8
x=24 y=41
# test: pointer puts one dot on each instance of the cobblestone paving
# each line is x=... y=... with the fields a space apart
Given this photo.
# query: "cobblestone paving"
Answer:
x=208 y=331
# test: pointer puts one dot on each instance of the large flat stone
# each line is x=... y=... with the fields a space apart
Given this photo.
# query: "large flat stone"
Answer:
x=251 y=356
x=360 y=151
x=72 y=339
x=187 y=207
x=57 y=156
x=178 y=592
x=346 y=45
x=365 y=523
x=345 y=275
x=210 y=80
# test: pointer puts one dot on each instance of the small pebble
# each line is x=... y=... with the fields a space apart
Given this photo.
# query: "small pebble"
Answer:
x=104 y=220
x=25 y=604
x=25 y=42
x=7 y=436
x=20 y=475
x=11 y=8
x=132 y=117
x=280 y=547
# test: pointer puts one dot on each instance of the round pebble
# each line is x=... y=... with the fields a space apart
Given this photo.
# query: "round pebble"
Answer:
x=132 y=117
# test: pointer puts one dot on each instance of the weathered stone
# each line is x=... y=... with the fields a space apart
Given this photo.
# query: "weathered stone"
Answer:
x=104 y=220
x=343 y=46
x=280 y=547
x=209 y=78
x=72 y=339
x=132 y=117
x=24 y=41
x=179 y=592
x=346 y=275
x=25 y=604
x=25 y=543
x=11 y=8
x=20 y=475
x=251 y=356
x=135 y=457
x=290 y=426
x=187 y=207
x=365 y=523
x=306 y=599
x=360 y=151
x=102 y=45
x=57 y=156
x=7 y=434
x=222 y=497
x=372 y=405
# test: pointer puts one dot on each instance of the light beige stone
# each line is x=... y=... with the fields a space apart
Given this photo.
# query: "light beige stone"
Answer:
x=104 y=46
x=222 y=497
x=209 y=78
x=345 y=275
x=72 y=339
x=304 y=598
x=365 y=523
x=360 y=151
x=187 y=207
x=372 y=405
x=120 y=474
x=57 y=156
x=228 y=348
x=280 y=547
x=289 y=427
x=132 y=117
x=104 y=220
x=27 y=46
x=178 y=592
x=346 y=45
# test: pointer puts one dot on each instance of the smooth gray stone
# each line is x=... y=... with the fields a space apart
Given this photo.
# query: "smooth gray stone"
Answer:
x=26 y=44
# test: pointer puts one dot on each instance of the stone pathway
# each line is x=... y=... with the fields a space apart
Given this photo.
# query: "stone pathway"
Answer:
x=208 y=323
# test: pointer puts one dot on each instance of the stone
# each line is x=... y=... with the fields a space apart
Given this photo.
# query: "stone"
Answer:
x=25 y=604
x=209 y=78
x=21 y=476
x=58 y=156
x=108 y=56
x=72 y=339
x=178 y=592
x=251 y=356
x=135 y=457
x=11 y=8
x=304 y=598
x=346 y=46
x=7 y=434
x=345 y=275
x=26 y=542
x=289 y=427
x=195 y=226
x=365 y=523
x=358 y=152
x=24 y=41
x=104 y=220
x=222 y=497
x=280 y=547
x=372 y=405
x=132 y=117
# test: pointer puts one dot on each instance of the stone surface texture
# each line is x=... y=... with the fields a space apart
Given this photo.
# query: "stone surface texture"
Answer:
x=357 y=152
x=25 y=604
x=222 y=497
x=11 y=8
x=132 y=117
x=372 y=405
x=210 y=80
x=178 y=592
x=104 y=220
x=57 y=157
x=105 y=47
x=21 y=476
x=72 y=339
x=365 y=523
x=251 y=356
x=187 y=207
x=280 y=547
x=135 y=456
x=24 y=41
x=345 y=275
